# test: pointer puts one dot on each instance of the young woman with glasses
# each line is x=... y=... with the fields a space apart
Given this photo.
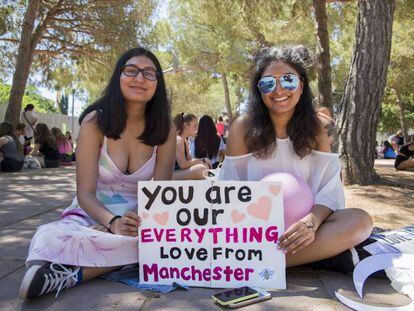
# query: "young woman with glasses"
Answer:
x=125 y=137
x=282 y=133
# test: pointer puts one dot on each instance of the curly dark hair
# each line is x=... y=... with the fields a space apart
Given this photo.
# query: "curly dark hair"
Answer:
x=302 y=128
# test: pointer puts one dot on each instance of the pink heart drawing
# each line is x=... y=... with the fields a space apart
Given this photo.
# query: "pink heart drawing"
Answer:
x=161 y=218
x=237 y=217
x=260 y=209
x=144 y=215
x=274 y=189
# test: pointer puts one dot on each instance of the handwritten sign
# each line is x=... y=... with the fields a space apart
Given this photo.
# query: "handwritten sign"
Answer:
x=211 y=233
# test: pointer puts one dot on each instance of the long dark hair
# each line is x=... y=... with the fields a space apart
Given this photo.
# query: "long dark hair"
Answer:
x=111 y=110
x=207 y=142
x=43 y=136
x=302 y=128
x=57 y=133
x=6 y=129
x=181 y=119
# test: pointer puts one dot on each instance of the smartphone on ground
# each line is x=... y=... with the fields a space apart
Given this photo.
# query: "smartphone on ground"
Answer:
x=263 y=295
x=235 y=295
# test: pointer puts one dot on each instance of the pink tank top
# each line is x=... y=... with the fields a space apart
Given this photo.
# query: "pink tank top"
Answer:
x=117 y=190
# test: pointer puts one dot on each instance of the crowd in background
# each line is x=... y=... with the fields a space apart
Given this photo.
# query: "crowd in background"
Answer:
x=201 y=145
x=395 y=147
x=33 y=145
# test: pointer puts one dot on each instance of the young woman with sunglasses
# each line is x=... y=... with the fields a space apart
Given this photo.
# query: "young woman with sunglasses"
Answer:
x=282 y=132
x=125 y=137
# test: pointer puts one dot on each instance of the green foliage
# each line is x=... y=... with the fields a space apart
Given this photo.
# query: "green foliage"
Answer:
x=80 y=41
x=187 y=94
x=214 y=37
x=31 y=96
x=64 y=104
x=401 y=70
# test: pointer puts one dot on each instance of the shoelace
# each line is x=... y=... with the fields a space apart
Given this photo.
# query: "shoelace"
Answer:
x=59 y=279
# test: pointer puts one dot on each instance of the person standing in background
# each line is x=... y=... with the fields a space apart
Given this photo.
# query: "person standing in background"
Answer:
x=220 y=126
x=29 y=119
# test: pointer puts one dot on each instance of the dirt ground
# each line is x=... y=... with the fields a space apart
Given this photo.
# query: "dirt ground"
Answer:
x=390 y=202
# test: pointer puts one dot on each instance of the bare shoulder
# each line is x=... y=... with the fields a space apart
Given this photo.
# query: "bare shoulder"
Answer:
x=91 y=117
x=89 y=129
x=172 y=137
x=327 y=133
x=235 y=141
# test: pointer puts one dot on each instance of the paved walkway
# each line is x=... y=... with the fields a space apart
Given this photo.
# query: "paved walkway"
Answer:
x=31 y=198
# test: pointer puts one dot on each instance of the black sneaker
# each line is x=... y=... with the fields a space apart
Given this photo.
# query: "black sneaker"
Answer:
x=40 y=280
x=346 y=261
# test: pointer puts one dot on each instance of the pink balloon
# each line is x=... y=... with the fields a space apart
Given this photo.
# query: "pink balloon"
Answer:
x=297 y=196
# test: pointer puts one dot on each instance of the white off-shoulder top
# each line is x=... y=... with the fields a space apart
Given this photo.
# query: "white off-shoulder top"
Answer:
x=320 y=170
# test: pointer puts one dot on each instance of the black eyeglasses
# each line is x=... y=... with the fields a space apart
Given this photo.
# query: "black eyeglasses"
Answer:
x=133 y=71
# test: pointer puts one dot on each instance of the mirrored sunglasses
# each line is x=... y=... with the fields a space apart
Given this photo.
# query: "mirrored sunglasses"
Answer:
x=289 y=82
x=133 y=71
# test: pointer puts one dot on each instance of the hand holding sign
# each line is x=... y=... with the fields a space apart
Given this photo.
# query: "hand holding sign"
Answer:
x=126 y=225
x=296 y=238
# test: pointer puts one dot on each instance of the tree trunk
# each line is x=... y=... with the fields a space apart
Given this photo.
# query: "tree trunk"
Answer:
x=24 y=60
x=227 y=97
x=323 y=66
x=361 y=103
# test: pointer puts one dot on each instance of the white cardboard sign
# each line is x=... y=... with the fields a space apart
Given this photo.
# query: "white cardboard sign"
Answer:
x=211 y=233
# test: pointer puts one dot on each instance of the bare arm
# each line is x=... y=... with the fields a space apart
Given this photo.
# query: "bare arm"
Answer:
x=165 y=159
x=181 y=159
x=87 y=155
x=35 y=150
x=326 y=140
x=3 y=141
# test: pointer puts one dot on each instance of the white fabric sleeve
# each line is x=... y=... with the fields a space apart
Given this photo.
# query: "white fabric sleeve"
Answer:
x=326 y=184
x=234 y=168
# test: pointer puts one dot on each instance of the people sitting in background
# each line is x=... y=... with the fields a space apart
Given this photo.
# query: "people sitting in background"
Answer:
x=208 y=144
x=45 y=149
x=187 y=167
x=29 y=118
x=19 y=132
x=64 y=146
x=388 y=151
x=11 y=150
x=68 y=136
x=396 y=140
x=405 y=158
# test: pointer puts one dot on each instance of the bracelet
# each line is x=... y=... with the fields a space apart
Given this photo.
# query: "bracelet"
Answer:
x=111 y=221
